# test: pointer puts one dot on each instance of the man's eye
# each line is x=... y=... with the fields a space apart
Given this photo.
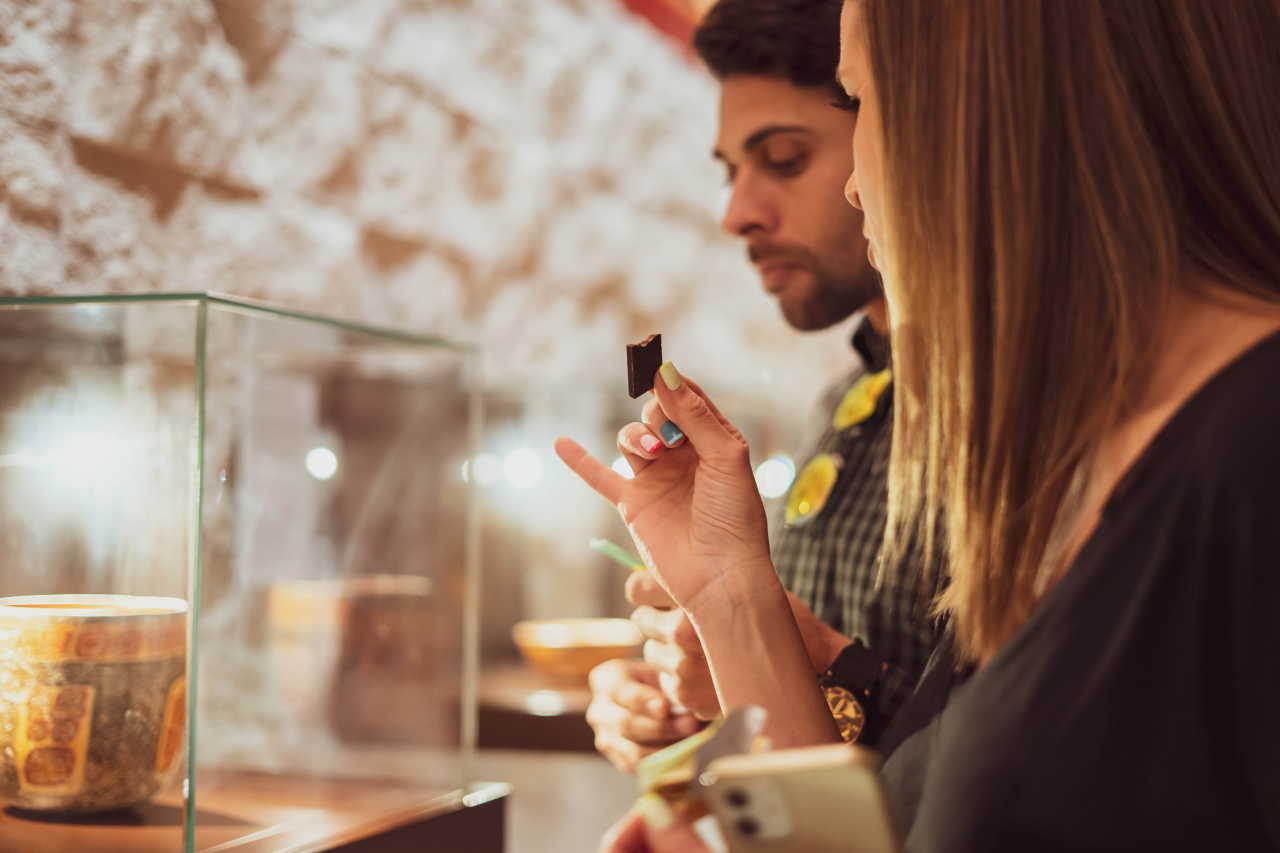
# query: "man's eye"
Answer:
x=789 y=166
x=849 y=105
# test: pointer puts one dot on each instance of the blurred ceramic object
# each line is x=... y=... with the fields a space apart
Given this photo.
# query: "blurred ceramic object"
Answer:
x=356 y=654
x=573 y=647
x=92 y=699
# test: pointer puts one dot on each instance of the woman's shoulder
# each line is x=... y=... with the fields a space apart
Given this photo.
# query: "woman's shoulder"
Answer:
x=1231 y=427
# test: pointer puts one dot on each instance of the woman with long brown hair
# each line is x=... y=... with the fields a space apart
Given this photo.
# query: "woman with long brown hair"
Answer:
x=1076 y=210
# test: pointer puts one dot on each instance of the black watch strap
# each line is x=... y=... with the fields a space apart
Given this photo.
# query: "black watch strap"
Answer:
x=855 y=668
x=852 y=686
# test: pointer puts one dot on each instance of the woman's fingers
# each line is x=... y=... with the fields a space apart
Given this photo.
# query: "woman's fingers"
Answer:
x=639 y=446
x=694 y=416
x=651 y=414
x=609 y=483
x=697 y=389
x=653 y=417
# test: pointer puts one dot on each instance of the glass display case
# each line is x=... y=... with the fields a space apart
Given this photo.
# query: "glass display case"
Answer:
x=238 y=576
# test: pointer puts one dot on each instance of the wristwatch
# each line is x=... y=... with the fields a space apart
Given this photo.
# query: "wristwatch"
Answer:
x=852 y=686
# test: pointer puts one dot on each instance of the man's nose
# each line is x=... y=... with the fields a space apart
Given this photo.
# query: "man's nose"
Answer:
x=748 y=209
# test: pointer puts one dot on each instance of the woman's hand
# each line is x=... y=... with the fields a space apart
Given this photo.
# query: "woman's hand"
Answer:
x=692 y=508
x=651 y=827
x=697 y=518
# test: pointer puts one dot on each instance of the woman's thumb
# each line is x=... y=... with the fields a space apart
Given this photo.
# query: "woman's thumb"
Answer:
x=690 y=413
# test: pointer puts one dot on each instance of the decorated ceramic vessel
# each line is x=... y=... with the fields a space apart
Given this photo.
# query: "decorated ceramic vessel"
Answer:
x=92 y=699
x=357 y=655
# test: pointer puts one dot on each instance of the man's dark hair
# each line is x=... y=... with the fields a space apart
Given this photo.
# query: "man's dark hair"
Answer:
x=796 y=40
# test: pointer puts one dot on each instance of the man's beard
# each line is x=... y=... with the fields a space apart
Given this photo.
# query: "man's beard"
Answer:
x=830 y=296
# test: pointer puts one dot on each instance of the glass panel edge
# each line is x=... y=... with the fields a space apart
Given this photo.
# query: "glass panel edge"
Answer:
x=240 y=304
x=195 y=582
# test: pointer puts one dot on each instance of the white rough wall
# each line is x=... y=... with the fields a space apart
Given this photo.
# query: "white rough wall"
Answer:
x=532 y=175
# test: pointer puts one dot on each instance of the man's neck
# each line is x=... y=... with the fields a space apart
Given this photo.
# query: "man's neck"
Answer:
x=878 y=316
x=871 y=338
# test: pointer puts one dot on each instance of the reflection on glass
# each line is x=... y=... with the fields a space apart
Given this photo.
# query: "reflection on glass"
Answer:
x=289 y=485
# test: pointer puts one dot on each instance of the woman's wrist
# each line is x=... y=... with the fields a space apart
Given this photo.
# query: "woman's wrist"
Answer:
x=758 y=657
x=739 y=588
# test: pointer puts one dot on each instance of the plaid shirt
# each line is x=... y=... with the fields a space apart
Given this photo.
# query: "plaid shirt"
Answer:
x=832 y=563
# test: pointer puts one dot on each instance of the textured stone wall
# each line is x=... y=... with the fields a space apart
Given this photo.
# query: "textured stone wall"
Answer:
x=528 y=174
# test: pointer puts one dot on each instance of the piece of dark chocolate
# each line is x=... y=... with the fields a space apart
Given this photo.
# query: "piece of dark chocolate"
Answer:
x=643 y=361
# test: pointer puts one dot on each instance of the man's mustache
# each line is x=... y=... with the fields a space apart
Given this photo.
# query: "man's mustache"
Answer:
x=797 y=255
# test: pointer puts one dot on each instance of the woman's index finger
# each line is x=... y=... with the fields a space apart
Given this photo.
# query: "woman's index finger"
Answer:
x=594 y=473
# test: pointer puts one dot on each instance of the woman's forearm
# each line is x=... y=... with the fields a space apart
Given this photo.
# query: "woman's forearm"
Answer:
x=757 y=657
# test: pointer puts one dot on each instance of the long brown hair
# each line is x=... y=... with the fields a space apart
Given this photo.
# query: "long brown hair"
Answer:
x=1053 y=171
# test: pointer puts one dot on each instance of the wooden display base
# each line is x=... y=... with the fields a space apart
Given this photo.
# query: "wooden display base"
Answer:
x=249 y=813
x=521 y=708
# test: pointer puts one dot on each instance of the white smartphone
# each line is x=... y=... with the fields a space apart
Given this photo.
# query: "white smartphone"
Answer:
x=818 y=799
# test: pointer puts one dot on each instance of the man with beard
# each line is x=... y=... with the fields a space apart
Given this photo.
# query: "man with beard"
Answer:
x=784 y=141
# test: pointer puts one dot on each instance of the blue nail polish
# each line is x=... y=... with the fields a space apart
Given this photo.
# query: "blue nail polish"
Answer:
x=670 y=433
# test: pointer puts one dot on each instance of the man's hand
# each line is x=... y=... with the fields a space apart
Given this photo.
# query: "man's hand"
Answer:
x=672 y=648
x=630 y=715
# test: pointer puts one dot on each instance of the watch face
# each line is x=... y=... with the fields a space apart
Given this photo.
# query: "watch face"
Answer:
x=850 y=718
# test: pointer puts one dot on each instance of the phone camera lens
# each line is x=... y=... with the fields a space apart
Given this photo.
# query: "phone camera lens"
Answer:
x=747 y=827
x=737 y=798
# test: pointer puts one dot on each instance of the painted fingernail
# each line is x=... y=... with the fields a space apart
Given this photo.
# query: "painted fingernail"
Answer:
x=670 y=376
x=650 y=444
x=687 y=725
x=670 y=433
x=655 y=812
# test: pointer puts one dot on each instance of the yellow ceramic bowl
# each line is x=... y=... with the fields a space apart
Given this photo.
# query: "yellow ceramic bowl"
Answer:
x=576 y=646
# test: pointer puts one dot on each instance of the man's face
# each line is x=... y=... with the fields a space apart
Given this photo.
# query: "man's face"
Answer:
x=787 y=154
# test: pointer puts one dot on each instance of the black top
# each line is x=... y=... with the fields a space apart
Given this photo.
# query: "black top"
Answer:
x=1138 y=709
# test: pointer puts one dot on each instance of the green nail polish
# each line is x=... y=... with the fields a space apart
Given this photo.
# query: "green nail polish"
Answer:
x=670 y=433
x=670 y=376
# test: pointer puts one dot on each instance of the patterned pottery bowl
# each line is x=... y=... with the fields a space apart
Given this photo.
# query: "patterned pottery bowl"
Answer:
x=357 y=655
x=92 y=699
